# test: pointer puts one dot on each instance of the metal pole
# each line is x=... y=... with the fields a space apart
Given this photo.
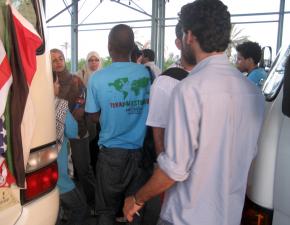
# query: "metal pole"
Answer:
x=280 y=25
x=74 y=37
x=154 y=23
x=161 y=31
x=44 y=6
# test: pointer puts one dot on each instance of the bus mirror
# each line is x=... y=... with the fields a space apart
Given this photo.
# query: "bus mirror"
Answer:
x=266 y=59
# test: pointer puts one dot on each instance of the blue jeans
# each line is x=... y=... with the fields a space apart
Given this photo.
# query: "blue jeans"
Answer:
x=73 y=202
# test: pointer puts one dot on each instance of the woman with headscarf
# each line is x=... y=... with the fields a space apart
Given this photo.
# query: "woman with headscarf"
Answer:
x=93 y=63
x=73 y=91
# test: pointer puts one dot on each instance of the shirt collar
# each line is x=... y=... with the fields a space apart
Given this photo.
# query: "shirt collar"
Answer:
x=214 y=59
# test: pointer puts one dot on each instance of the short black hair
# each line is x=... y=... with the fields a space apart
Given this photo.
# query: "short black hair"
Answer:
x=121 y=39
x=149 y=53
x=209 y=21
x=250 y=49
x=178 y=31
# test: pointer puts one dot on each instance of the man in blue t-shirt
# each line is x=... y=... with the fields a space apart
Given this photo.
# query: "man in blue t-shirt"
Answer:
x=118 y=97
x=249 y=55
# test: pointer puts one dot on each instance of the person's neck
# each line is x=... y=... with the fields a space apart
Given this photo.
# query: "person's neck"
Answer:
x=251 y=68
x=185 y=65
x=120 y=59
x=202 y=55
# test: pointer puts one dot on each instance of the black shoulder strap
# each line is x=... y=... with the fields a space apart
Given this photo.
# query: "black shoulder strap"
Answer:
x=150 y=73
x=176 y=73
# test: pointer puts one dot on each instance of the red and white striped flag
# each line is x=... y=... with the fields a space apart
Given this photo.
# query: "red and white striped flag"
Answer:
x=5 y=78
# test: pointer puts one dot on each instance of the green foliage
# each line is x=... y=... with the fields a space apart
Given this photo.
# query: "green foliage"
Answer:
x=106 y=61
x=68 y=65
x=170 y=60
x=81 y=63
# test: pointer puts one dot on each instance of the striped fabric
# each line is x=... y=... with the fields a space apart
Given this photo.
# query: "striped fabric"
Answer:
x=23 y=43
x=5 y=78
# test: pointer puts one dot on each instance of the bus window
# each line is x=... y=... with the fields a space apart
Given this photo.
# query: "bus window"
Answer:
x=30 y=10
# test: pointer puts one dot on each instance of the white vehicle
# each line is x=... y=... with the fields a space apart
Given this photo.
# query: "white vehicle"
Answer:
x=268 y=193
x=38 y=203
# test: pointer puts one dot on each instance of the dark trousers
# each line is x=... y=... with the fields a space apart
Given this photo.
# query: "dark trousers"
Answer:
x=81 y=161
x=74 y=204
x=163 y=222
x=119 y=174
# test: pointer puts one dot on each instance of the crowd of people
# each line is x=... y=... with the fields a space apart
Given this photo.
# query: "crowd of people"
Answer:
x=204 y=114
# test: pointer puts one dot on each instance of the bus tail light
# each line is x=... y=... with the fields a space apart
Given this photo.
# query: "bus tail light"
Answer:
x=41 y=173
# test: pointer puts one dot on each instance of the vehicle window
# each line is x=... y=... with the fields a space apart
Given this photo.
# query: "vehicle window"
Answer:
x=275 y=79
x=26 y=9
x=30 y=10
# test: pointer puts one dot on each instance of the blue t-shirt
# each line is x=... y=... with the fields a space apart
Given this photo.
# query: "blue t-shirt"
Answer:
x=64 y=183
x=257 y=76
x=121 y=92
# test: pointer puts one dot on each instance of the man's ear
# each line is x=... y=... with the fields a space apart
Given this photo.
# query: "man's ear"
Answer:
x=190 y=38
x=251 y=61
x=178 y=43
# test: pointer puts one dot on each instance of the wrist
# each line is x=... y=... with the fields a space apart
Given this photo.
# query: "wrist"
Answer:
x=138 y=201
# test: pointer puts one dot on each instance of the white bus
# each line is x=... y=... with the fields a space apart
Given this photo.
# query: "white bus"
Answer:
x=268 y=193
x=38 y=203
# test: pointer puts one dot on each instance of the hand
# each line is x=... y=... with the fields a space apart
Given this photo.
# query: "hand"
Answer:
x=78 y=114
x=130 y=208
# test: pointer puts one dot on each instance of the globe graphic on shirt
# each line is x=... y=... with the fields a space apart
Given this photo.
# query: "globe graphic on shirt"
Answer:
x=123 y=85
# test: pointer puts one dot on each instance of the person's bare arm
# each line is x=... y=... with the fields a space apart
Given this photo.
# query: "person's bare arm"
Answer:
x=158 y=135
x=158 y=183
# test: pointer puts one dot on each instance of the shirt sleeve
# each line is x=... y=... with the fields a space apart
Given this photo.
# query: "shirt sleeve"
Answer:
x=181 y=134
x=70 y=126
x=92 y=104
x=158 y=106
x=256 y=76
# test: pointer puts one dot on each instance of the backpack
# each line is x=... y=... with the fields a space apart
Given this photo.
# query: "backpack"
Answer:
x=149 y=153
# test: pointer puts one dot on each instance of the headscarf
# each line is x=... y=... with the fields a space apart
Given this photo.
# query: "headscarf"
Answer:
x=86 y=72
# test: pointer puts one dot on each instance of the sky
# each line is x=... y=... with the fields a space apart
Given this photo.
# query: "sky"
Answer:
x=94 y=37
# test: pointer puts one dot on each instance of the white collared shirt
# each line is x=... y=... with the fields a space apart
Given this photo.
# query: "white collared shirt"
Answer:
x=215 y=117
x=155 y=69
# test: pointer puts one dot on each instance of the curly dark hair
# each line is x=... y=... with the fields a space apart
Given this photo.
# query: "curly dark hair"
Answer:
x=250 y=49
x=209 y=21
x=178 y=31
x=148 y=53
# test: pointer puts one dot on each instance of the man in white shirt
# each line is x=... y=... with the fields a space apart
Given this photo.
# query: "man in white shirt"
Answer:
x=160 y=93
x=210 y=141
x=148 y=57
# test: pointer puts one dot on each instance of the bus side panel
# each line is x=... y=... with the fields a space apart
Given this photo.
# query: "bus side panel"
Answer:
x=282 y=177
x=43 y=101
x=261 y=177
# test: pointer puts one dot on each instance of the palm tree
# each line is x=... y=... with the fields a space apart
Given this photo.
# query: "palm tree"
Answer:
x=236 y=39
